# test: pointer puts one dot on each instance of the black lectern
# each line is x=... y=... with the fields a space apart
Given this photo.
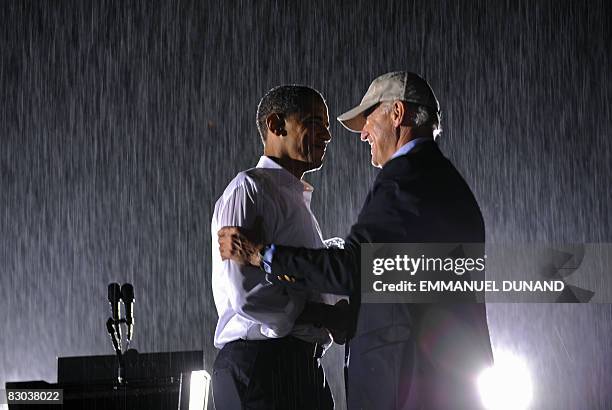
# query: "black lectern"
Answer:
x=153 y=381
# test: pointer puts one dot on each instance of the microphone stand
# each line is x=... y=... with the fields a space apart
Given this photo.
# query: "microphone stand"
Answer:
x=113 y=327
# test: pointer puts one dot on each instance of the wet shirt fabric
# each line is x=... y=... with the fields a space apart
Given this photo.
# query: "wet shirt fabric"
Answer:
x=274 y=202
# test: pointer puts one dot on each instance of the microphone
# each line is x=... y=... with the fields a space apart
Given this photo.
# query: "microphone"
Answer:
x=114 y=298
x=127 y=294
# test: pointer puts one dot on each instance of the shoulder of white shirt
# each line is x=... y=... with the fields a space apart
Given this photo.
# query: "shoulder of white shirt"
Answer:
x=252 y=180
x=242 y=180
x=263 y=178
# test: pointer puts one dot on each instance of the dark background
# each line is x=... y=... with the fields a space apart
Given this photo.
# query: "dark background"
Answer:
x=122 y=122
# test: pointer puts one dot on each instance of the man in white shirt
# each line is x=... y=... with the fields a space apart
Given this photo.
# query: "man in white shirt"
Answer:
x=267 y=360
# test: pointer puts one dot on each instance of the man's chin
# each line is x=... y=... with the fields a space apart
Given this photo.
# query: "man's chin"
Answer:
x=315 y=165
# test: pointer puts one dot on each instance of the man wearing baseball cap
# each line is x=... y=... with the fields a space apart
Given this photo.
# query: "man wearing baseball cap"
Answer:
x=402 y=356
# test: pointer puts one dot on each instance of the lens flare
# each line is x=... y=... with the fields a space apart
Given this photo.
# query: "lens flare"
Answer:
x=506 y=385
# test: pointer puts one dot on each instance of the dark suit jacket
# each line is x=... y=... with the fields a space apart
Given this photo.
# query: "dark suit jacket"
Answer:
x=405 y=356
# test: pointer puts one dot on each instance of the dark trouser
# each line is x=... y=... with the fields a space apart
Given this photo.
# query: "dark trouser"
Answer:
x=390 y=370
x=270 y=374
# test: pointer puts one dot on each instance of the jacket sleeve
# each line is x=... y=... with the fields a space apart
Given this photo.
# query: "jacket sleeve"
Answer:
x=322 y=270
x=338 y=270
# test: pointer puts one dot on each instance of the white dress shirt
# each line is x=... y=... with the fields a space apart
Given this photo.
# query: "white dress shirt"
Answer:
x=273 y=201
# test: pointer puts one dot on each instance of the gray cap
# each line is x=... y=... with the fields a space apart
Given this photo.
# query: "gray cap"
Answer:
x=398 y=85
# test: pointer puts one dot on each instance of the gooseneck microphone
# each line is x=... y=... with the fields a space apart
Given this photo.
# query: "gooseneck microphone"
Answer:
x=114 y=298
x=111 y=331
x=127 y=294
x=117 y=294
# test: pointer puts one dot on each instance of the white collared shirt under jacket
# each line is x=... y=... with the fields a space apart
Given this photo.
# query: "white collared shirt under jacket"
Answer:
x=272 y=200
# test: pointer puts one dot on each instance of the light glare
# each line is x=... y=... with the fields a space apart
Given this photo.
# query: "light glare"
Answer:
x=506 y=385
x=198 y=390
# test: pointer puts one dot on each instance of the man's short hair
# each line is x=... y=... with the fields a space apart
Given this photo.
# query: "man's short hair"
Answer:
x=426 y=117
x=423 y=117
x=285 y=100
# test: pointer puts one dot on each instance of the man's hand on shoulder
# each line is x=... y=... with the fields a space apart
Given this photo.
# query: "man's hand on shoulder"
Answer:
x=240 y=245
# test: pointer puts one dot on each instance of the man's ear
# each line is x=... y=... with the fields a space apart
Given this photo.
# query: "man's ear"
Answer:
x=276 y=124
x=398 y=113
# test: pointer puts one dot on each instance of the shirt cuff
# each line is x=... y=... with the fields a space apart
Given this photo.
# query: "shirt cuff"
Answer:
x=268 y=255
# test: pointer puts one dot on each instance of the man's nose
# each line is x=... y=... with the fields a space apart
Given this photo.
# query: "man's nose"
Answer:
x=364 y=135
x=325 y=135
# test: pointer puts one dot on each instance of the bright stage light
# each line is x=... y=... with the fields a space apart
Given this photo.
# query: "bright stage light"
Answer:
x=506 y=385
x=198 y=390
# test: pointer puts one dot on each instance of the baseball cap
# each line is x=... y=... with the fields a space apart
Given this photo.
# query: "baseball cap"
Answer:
x=398 y=85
